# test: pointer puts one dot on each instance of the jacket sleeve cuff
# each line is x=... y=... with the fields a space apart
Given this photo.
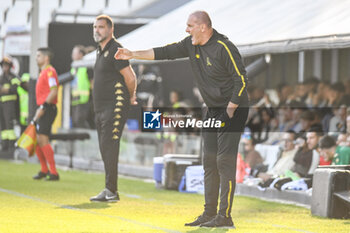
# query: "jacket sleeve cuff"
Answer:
x=158 y=53
x=235 y=99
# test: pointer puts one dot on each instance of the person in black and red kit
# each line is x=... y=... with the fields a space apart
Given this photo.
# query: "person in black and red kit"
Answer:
x=113 y=93
x=8 y=104
x=46 y=98
x=220 y=76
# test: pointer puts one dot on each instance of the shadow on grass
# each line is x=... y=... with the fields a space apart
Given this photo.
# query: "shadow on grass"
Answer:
x=89 y=205
x=204 y=229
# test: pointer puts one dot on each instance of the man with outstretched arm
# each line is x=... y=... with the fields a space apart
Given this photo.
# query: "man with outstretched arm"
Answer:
x=220 y=76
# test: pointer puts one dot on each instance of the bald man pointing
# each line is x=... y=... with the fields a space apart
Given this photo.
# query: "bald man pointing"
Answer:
x=220 y=76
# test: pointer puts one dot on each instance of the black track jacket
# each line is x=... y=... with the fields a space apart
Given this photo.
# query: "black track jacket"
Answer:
x=218 y=68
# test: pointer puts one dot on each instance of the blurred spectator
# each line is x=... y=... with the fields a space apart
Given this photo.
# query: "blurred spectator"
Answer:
x=301 y=92
x=23 y=96
x=251 y=156
x=339 y=155
x=255 y=94
x=285 y=117
x=320 y=99
x=307 y=119
x=9 y=83
x=265 y=102
x=149 y=90
x=307 y=157
x=342 y=139
x=338 y=122
x=286 y=161
x=177 y=100
x=311 y=85
x=260 y=124
x=347 y=88
x=284 y=92
x=81 y=91
x=337 y=96
x=298 y=107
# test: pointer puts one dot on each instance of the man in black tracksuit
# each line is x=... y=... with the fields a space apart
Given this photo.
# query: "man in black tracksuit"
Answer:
x=220 y=77
x=114 y=91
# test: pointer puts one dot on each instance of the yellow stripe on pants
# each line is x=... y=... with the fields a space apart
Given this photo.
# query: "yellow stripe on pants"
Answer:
x=229 y=199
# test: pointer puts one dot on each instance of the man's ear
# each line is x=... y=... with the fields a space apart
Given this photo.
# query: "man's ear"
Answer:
x=202 y=27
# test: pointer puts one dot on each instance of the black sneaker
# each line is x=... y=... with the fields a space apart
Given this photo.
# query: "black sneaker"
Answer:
x=200 y=219
x=40 y=175
x=52 y=177
x=105 y=196
x=220 y=222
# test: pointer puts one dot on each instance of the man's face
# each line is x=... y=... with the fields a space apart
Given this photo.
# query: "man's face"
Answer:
x=101 y=30
x=193 y=28
x=5 y=67
x=312 y=140
x=296 y=114
x=341 y=140
x=248 y=145
x=40 y=58
x=174 y=97
x=286 y=91
x=327 y=154
x=288 y=139
x=305 y=124
x=301 y=90
x=76 y=54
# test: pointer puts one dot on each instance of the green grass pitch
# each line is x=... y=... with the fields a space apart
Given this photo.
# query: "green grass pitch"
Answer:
x=27 y=205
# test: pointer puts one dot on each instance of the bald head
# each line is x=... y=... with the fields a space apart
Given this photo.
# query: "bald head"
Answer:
x=202 y=17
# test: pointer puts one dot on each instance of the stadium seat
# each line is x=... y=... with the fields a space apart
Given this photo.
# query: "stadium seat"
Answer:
x=68 y=7
x=94 y=7
x=18 y=14
x=2 y=15
x=6 y=4
x=90 y=10
x=45 y=12
x=117 y=7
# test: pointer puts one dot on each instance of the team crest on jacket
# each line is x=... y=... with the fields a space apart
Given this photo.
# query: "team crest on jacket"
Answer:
x=208 y=62
x=106 y=54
